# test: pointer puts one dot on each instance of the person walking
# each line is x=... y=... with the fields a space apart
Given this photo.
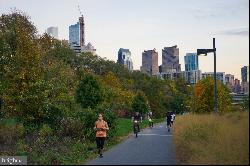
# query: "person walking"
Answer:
x=172 y=118
x=168 y=118
x=101 y=128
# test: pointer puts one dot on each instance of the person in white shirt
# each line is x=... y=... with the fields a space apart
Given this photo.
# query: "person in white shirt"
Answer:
x=172 y=118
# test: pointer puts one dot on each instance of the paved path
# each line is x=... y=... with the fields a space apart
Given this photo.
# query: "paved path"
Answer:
x=151 y=147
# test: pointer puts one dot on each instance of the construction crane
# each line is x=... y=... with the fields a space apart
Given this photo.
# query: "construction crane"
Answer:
x=79 y=10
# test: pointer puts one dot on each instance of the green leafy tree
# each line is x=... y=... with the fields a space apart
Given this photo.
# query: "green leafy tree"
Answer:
x=21 y=72
x=89 y=92
x=245 y=104
x=140 y=103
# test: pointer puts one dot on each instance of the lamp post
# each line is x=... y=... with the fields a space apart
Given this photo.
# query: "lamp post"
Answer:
x=204 y=52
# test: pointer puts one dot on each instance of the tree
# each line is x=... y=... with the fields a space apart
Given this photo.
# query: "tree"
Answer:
x=180 y=95
x=37 y=83
x=203 y=97
x=89 y=92
x=140 y=103
x=245 y=104
x=116 y=96
x=21 y=70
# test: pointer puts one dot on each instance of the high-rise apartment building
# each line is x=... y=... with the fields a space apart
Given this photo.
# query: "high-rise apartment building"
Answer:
x=219 y=76
x=53 y=32
x=191 y=62
x=245 y=74
x=237 y=86
x=150 y=62
x=229 y=80
x=192 y=76
x=170 y=59
x=74 y=34
x=77 y=33
x=124 y=57
x=77 y=38
x=245 y=79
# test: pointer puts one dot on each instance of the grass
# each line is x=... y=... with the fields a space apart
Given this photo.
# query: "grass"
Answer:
x=212 y=139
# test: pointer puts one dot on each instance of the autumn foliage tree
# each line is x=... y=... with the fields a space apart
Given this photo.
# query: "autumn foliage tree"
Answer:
x=203 y=96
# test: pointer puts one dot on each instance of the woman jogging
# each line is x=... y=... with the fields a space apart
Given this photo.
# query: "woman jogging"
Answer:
x=101 y=128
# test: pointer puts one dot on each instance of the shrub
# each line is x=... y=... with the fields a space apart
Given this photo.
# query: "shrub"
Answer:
x=71 y=127
x=9 y=134
x=88 y=118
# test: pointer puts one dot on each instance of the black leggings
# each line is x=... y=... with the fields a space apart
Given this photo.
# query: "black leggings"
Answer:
x=100 y=142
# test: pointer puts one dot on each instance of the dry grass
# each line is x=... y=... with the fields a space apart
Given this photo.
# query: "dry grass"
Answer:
x=212 y=139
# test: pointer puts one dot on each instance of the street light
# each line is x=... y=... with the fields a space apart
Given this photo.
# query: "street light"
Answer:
x=205 y=52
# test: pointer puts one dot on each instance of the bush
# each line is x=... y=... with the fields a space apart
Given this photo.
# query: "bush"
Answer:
x=71 y=127
x=88 y=118
x=45 y=131
x=9 y=134
x=22 y=148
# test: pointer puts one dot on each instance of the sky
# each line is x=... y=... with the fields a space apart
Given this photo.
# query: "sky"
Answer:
x=147 y=24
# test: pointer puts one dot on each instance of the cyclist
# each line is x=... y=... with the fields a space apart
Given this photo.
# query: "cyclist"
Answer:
x=136 y=117
x=150 y=116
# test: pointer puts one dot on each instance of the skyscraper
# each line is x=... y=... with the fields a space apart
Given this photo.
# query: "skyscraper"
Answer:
x=245 y=79
x=150 y=62
x=82 y=31
x=170 y=59
x=124 y=57
x=76 y=33
x=53 y=32
x=77 y=38
x=245 y=74
x=191 y=62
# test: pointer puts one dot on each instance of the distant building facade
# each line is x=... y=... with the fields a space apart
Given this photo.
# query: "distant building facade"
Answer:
x=170 y=59
x=74 y=34
x=191 y=62
x=150 y=62
x=245 y=79
x=192 y=76
x=124 y=57
x=229 y=80
x=219 y=76
x=53 y=32
x=245 y=74
x=237 y=86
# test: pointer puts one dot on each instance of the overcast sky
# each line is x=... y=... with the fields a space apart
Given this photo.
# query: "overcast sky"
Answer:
x=147 y=24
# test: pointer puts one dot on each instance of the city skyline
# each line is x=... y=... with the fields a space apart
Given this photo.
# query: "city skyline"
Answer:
x=111 y=25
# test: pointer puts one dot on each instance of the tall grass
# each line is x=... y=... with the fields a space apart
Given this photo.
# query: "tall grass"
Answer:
x=212 y=139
